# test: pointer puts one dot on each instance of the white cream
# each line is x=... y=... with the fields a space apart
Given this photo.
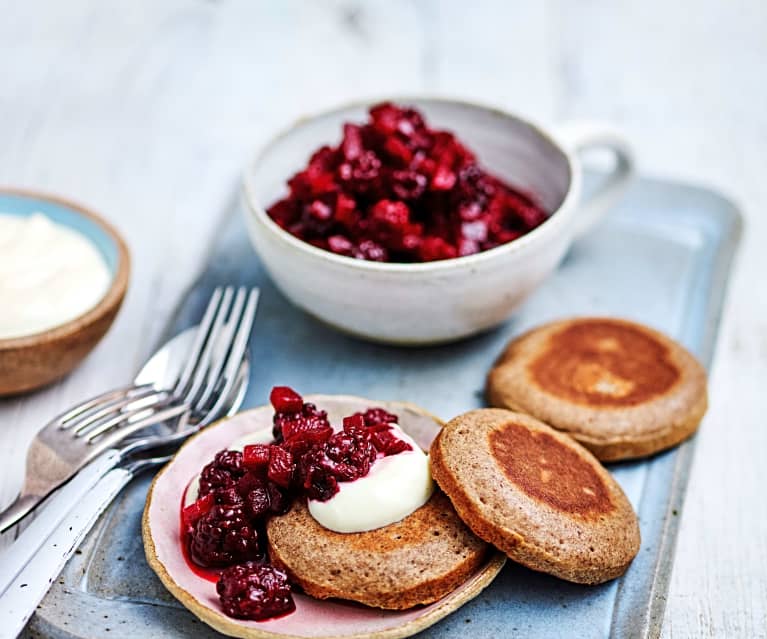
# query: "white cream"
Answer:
x=395 y=487
x=192 y=491
x=49 y=275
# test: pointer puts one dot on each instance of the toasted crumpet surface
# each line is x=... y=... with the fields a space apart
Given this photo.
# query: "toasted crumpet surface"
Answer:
x=536 y=494
x=417 y=560
x=621 y=389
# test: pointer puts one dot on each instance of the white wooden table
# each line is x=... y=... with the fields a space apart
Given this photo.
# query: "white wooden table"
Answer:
x=147 y=110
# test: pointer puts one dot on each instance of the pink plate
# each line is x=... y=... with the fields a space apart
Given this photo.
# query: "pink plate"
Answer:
x=313 y=617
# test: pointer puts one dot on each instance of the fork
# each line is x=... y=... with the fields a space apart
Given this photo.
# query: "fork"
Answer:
x=27 y=585
x=94 y=429
x=205 y=401
x=90 y=492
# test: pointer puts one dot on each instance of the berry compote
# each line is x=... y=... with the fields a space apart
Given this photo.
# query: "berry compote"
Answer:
x=397 y=190
x=225 y=528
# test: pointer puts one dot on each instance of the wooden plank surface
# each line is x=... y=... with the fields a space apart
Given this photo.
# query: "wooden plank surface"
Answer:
x=147 y=110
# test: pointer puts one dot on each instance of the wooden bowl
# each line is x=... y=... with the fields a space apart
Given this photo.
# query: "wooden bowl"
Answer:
x=31 y=361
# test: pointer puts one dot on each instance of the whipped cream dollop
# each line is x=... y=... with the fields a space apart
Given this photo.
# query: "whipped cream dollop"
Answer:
x=395 y=487
x=49 y=274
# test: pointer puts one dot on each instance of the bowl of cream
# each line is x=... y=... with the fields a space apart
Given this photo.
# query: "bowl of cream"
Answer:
x=63 y=275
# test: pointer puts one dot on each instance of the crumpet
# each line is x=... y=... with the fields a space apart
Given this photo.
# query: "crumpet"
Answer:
x=621 y=389
x=417 y=560
x=161 y=528
x=535 y=494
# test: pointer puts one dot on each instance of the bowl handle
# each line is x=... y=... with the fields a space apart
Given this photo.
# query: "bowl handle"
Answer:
x=580 y=136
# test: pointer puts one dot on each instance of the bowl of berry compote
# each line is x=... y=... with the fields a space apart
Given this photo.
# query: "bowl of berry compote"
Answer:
x=421 y=221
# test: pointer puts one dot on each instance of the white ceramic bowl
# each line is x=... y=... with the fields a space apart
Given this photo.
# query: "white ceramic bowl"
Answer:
x=445 y=300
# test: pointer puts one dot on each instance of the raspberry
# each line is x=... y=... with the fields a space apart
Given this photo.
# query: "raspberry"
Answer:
x=222 y=473
x=354 y=421
x=194 y=511
x=361 y=174
x=317 y=478
x=340 y=244
x=280 y=466
x=435 y=248
x=254 y=591
x=397 y=190
x=224 y=535
x=261 y=496
x=285 y=400
x=353 y=453
x=408 y=185
x=256 y=456
x=388 y=443
x=375 y=416
x=370 y=250
x=310 y=423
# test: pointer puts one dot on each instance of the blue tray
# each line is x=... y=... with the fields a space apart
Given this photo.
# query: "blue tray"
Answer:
x=662 y=258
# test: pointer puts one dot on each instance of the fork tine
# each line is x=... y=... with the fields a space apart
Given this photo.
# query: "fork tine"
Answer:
x=203 y=331
x=214 y=330
x=206 y=341
x=108 y=408
x=117 y=417
x=203 y=363
x=221 y=350
x=210 y=323
x=65 y=420
x=116 y=435
x=236 y=355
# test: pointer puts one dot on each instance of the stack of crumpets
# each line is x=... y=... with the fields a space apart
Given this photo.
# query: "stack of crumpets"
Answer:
x=621 y=389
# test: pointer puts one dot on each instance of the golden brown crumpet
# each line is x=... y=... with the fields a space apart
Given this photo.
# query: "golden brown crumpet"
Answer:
x=540 y=466
x=536 y=494
x=417 y=560
x=621 y=389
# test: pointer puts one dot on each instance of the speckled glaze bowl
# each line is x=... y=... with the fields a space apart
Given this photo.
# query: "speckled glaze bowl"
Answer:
x=441 y=301
x=32 y=361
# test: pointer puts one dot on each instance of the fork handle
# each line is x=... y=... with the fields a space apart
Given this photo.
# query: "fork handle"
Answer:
x=24 y=504
x=19 y=600
x=16 y=556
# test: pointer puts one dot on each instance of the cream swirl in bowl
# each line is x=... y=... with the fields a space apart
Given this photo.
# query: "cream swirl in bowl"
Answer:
x=49 y=274
x=64 y=273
